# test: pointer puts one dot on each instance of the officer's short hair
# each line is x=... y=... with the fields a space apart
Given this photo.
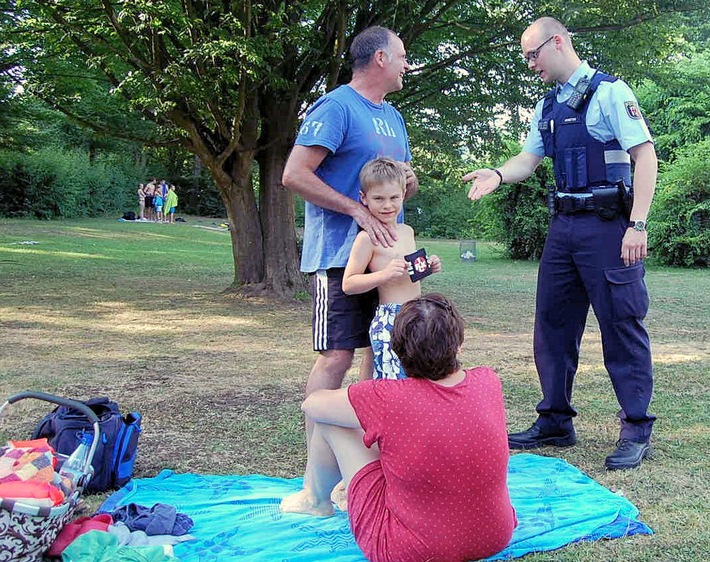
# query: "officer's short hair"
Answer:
x=382 y=170
x=367 y=43
x=550 y=26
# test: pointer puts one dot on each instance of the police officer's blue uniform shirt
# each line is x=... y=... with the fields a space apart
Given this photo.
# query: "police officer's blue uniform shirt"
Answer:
x=355 y=131
x=581 y=263
x=613 y=113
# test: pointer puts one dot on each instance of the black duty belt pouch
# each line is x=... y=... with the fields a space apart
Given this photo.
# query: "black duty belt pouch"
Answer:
x=627 y=200
x=606 y=202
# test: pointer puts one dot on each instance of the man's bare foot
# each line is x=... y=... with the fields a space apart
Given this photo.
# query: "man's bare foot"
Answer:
x=303 y=502
x=339 y=496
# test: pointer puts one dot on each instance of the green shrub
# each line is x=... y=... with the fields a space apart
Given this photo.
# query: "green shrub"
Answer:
x=516 y=215
x=52 y=183
x=679 y=221
x=199 y=196
x=14 y=186
x=441 y=210
x=300 y=211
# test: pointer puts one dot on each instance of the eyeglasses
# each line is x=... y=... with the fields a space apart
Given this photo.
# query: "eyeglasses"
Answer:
x=532 y=55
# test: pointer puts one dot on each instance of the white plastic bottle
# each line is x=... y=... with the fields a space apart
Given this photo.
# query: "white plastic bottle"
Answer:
x=73 y=467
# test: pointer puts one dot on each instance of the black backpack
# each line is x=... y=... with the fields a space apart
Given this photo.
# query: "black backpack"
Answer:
x=117 y=447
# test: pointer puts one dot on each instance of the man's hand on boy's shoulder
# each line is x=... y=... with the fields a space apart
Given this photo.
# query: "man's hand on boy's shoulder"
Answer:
x=380 y=234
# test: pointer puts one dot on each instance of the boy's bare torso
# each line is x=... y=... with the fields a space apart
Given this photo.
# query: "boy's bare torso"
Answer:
x=399 y=290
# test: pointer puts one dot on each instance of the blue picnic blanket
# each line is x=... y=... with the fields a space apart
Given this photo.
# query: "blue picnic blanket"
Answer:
x=237 y=518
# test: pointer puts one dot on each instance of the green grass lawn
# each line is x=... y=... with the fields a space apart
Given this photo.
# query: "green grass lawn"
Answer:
x=138 y=312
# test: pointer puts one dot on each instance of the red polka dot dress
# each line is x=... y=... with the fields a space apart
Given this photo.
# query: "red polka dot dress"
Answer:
x=439 y=490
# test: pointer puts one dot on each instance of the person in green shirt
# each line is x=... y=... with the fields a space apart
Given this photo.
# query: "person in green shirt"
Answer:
x=171 y=201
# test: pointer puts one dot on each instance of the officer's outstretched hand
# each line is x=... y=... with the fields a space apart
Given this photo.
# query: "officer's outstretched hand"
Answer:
x=634 y=246
x=484 y=181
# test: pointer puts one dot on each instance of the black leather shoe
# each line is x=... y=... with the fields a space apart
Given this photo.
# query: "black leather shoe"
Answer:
x=628 y=454
x=536 y=437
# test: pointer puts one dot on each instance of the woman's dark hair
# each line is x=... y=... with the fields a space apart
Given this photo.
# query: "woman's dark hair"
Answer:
x=427 y=335
x=367 y=43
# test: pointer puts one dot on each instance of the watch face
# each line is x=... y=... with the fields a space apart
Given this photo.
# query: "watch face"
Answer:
x=639 y=225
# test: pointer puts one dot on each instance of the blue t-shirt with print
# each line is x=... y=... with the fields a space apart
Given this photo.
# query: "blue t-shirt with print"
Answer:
x=355 y=131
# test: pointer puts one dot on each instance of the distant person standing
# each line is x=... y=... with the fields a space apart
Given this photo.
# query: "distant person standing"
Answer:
x=158 y=204
x=342 y=131
x=141 y=202
x=171 y=201
x=591 y=126
x=149 y=202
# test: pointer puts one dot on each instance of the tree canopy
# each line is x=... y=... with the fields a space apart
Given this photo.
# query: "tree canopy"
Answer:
x=228 y=81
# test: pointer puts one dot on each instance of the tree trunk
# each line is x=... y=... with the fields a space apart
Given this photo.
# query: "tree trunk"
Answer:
x=234 y=182
x=244 y=224
x=276 y=203
x=264 y=237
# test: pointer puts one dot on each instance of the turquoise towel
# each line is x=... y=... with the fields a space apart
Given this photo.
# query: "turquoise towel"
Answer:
x=237 y=518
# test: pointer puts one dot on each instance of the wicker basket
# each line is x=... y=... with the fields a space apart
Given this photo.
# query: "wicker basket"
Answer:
x=27 y=531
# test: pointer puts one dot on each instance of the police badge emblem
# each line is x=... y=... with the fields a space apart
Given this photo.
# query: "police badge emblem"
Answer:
x=632 y=109
x=417 y=265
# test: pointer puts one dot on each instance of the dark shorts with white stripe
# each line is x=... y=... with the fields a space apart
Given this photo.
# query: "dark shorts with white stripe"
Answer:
x=340 y=321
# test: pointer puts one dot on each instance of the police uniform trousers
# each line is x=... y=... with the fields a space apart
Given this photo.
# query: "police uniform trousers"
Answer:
x=581 y=264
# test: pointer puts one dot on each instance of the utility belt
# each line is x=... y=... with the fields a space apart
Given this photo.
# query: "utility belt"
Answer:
x=607 y=201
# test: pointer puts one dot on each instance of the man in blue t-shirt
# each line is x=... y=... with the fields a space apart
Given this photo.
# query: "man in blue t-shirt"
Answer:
x=342 y=131
x=592 y=128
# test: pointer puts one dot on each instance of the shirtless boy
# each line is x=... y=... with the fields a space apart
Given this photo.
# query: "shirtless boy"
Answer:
x=382 y=185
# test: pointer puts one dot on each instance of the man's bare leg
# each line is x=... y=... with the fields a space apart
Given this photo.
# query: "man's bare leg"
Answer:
x=328 y=372
x=367 y=367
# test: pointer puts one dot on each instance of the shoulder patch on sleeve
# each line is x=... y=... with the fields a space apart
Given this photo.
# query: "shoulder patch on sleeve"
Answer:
x=632 y=109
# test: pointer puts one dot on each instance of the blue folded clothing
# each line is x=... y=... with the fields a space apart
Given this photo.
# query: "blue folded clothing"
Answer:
x=161 y=519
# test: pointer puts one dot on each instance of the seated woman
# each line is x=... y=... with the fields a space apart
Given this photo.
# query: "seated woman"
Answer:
x=424 y=459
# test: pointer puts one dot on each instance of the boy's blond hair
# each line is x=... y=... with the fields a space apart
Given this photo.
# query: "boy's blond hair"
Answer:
x=382 y=170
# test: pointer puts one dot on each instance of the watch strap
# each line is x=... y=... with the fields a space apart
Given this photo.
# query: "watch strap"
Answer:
x=498 y=173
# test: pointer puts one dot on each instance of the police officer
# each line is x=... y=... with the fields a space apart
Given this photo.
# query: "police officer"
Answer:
x=592 y=128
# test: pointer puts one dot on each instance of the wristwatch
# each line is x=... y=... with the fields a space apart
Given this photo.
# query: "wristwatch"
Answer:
x=639 y=226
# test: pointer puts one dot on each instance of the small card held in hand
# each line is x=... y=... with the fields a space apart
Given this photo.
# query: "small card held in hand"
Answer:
x=418 y=265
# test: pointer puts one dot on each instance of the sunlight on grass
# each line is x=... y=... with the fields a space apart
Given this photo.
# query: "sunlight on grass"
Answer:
x=689 y=432
x=55 y=253
x=122 y=317
x=101 y=235
x=677 y=358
